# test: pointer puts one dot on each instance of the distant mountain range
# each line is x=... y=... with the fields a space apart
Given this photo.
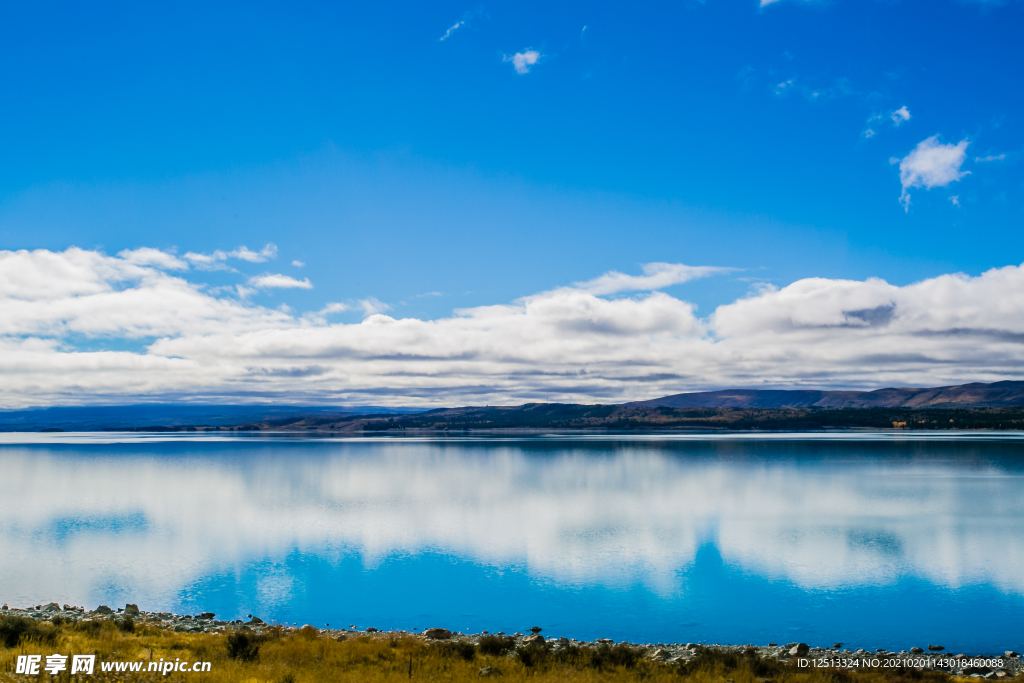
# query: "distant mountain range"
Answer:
x=999 y=406
x=975 y=395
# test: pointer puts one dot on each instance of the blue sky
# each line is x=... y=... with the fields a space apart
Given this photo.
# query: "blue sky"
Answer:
x=532 y=147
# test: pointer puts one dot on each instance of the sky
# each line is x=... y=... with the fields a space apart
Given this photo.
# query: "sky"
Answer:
x=432 y=204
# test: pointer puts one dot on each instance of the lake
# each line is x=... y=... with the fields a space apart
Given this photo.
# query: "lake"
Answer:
x=871 y=540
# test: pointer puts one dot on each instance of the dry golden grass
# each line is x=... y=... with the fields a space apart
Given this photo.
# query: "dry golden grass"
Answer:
x=306 y=656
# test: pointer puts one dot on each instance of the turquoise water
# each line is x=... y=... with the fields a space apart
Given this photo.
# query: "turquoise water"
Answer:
x=874 y=541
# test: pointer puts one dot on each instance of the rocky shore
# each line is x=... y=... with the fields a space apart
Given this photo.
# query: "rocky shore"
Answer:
x=924 y=657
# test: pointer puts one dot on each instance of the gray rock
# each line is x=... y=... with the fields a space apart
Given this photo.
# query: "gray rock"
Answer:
x=836 y=646
x=207 y=615
x=256 y=620
x=917 y=650
x=1007 y=654
x=52 y=607
x=534 y=638
x=606 y=641
x=800 y=650
x=437 y=634
x=131 y=610
x=5 y=607
x=103 y=609
x=936 y=648
x=536 y=629
x=371 y=629
x=486 y=671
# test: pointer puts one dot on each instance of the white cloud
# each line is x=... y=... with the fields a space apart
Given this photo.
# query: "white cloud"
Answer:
x=147 y=256
x=299 y=264
x=656 y=276
x=785 y=86
x=869 y=133
x=899 y=116
x=334 y=308
x=279 y=281
x=573 y=343
x=991 y=157
x=955 y=199
x=373 y=306
x=244 y=253
x=522 y=61
x=453 y=29
x=931 y=164
x=215 y=260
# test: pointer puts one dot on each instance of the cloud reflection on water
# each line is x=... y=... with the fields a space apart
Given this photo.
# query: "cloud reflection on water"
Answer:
x=83 y=522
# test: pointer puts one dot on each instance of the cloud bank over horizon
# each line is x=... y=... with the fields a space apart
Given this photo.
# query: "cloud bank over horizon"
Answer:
x=79 y=326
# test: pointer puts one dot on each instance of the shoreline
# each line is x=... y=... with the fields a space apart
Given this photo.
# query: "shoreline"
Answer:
x=923 y=657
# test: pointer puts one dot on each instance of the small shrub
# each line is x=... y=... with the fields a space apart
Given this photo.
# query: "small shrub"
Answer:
x=14 y=629
x=533 y=654
x=496 y=646
x=243 y=645
x=615 y=655
x=457 y=650
x=309 y=632
x=91 y=628
x=126 y=625
x=710 y=660
x=288 y=678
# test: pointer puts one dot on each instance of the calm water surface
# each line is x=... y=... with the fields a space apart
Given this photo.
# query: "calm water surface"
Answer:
x=872 y=541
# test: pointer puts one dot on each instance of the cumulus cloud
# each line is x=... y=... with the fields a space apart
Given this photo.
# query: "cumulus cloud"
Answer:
x=522 y=61
x=574 y=343
x=931 y=164
x=279 y=281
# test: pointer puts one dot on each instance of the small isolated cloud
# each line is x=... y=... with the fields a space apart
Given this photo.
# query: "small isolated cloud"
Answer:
x=453 y=29
x=279 y=281
x=373 y=306
x=656 y=276
x=899 y=116
x=244 y=253
x=991 y=157
x=418 y=296
x=522 y=61
x=785 y=86
x=765 y=3
x=931 y=164
x=299 y=264
x=954 y=199
x=869 y=133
